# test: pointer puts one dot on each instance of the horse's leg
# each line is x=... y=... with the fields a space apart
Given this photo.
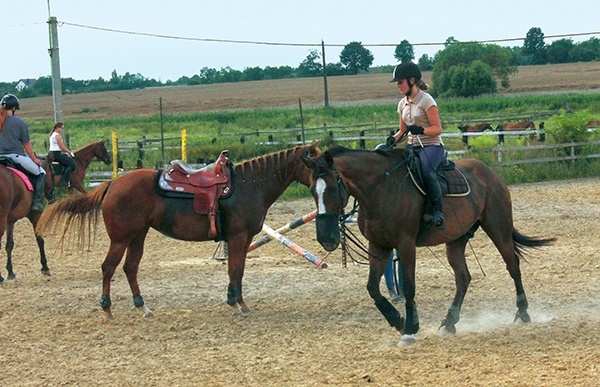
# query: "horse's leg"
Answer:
x=41 y=244
x=506 y=246
x=10 y=244
x=407 y=258
x=236 y=261
x=455 y=251
x=112 y=260
x=377 y=263
x=135 y=250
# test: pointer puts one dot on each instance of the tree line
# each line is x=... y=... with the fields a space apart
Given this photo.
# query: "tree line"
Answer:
x=460 y=69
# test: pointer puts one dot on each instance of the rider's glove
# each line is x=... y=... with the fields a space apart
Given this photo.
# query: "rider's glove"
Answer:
x=390 y=141
x=415 y=129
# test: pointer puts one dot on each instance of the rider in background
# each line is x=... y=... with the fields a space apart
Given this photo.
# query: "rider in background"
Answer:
x=61 y=153
x=419 y=117
x=15 y=144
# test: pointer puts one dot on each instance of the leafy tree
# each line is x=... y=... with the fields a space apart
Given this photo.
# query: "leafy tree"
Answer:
x=425 y=63
x=559 y=50
x=208 y=75
x=355 y=57
x=534 y=45
x=336 y=69
x=498 y=60
x=311 y=65
x=404 y=52
x=450 y=40
x=467 y=81
x=253 y=74
x=278 y=72
x=227 y=74
x=586 y=51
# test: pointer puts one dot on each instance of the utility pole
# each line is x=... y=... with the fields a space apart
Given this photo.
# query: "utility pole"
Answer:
x=55 y=66
x=324 y=74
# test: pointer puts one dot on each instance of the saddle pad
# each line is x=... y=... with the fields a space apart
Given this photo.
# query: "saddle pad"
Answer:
x=23 y=177
x=456 y=182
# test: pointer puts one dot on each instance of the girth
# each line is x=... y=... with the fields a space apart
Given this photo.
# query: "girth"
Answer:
x=206 y=185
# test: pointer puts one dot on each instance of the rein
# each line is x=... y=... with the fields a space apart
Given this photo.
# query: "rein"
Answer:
x=346 y=232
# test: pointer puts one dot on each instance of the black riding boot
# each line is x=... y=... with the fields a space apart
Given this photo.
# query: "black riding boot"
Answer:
x=434 y=192
x=38 y=189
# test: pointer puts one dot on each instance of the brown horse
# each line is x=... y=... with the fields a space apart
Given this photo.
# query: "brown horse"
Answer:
x=390 y=217
x=515 y=127
x=83 y=158
x=131 y=205
x=473 y=129
x=15 y=204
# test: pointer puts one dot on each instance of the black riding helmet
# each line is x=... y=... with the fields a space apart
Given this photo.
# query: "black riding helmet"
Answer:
x=10 y=101
x=405 y=71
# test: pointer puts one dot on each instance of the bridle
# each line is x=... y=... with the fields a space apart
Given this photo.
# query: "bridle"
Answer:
x=343 y=217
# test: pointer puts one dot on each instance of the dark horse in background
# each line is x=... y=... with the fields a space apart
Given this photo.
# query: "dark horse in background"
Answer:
x=390 y=217
x=479 y=128
x=515 y=127
x=15 y=204
x=131 y=205
x=83 y=158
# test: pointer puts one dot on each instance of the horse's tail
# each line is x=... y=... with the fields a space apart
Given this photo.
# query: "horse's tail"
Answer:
x=522 y=241
x=82 y=211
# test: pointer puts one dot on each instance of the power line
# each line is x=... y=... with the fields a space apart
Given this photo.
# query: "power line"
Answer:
x=305 y=44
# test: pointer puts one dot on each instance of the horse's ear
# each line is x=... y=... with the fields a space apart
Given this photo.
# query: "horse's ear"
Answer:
x=309 y=163
x=328 y=159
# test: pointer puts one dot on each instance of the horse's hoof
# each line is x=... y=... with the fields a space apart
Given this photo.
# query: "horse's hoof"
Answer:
x=445 y=332
x=237 y=313
x=146 y=311
x=246 y=310
x=407 y=341
x=522 y=318
x=11 y=277
x=46 y=273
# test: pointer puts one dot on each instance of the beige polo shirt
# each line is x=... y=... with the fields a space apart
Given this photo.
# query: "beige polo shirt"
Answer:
x=415 y=113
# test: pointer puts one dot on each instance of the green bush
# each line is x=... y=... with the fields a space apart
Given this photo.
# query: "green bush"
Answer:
x=569 y=128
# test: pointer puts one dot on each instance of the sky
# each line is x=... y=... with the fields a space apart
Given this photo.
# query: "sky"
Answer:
x=88 y=53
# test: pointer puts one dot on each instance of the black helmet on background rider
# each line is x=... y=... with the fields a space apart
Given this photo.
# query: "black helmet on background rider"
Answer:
x=10 y=101
x=406 y=70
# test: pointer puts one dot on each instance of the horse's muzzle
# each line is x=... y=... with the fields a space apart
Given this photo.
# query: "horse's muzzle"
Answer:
x=328 y=231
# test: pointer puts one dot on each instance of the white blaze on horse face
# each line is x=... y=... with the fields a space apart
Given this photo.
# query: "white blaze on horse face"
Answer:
x=320 y=190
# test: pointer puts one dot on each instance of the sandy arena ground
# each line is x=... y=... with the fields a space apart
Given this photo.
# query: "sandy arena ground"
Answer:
x=310 y=326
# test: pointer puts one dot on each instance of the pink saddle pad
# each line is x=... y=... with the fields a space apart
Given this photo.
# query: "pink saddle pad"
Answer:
x=23 y=177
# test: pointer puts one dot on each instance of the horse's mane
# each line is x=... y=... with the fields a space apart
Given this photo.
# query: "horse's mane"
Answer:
x=269 y=162
x=88 y=146
x=337 y=150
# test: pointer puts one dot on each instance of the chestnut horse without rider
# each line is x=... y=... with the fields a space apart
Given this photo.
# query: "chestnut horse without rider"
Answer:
x=131 y=205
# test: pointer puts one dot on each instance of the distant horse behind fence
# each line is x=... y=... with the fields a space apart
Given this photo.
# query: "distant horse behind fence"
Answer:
x=514 y=127
x=473 y=129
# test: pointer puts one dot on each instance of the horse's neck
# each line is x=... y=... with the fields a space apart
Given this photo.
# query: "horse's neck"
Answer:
x=364 y=179
x=270 y=174
x=85 y=156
